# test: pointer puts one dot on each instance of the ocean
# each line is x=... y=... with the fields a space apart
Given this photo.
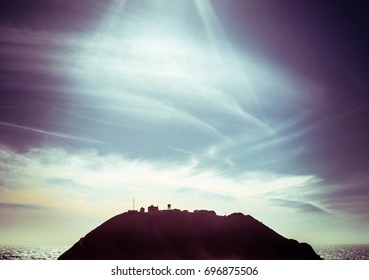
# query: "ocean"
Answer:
x=327 y=252
x=31 y=253
x=343 y=252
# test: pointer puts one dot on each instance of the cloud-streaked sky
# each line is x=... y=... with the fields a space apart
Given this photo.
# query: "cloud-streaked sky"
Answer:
x=258 y=107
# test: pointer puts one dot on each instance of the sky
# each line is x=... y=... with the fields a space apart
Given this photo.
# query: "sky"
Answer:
x=259 y=107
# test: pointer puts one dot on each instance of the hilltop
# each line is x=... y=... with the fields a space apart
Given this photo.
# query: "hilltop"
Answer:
x=175 y=234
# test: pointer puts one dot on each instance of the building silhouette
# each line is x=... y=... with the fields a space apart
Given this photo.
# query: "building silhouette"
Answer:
x=152 y=209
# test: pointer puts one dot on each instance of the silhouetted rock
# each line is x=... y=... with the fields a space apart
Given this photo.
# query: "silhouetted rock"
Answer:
x=185 y=235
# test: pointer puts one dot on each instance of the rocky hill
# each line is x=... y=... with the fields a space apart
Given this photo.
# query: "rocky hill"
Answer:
x=175 y=234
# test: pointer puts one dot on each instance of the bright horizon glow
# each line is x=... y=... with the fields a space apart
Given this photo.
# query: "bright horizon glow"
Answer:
x=54 y=178
x=87 y=181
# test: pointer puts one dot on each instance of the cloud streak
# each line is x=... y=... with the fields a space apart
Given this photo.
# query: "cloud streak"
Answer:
x=299 y=205
x=15 y=206
x=51 y=133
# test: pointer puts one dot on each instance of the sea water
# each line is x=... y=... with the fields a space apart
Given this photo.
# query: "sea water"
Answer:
x=327 y=252
x=31 y=253
x=343 y=252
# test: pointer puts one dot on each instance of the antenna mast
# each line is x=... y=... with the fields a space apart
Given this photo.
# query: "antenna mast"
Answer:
x=133 y=204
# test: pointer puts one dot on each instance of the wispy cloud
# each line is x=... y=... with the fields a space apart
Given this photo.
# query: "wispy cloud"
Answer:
x=168 y=93
x=61 y=182
x=299 y=205
x=56 y=134
x=20 y=206
x=206 y=195
x=349 y=197
x=151 y=95
x=105 y=178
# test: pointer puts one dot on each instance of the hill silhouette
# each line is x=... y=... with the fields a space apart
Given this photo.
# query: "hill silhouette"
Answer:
x=175 y=234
